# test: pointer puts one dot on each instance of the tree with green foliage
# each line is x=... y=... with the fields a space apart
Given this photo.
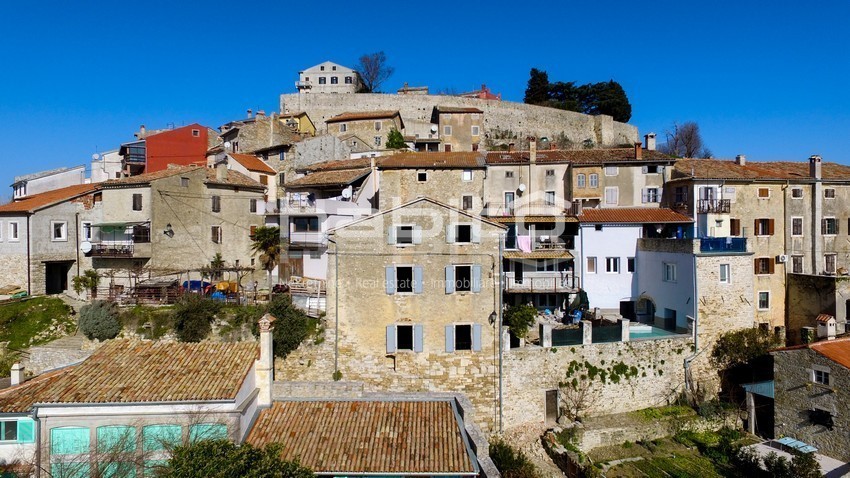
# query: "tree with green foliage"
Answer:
x=537 y=92
x=193 y=316
x=519 y=318
x=292 y=325
x=88 y=281
x=99 y=320
x=266 y=244
x=740 y=347
x=224 y=459
x=216 y=265
x=511 y=463
x=395 y=140
x=604 y=98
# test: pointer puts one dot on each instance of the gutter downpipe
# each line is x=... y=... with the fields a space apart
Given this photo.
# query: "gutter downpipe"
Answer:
x=37 y=441
x=501 y=346
x=29 y=257
x=77 y=239
x=695 y=318
x=336 y=305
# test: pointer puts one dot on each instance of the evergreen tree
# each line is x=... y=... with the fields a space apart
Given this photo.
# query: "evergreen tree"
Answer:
x=395 y=140
x=537 y=92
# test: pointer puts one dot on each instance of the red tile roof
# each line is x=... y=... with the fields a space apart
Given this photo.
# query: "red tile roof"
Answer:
x=837 y=350
x=341 y=164
x=363 y=115
x=48 y=198
x=329 y=178
x=234 y=178
x=578 y=156
x=776 y=170
x=253 y=163
x=823 y=318
x=127 y=371
x=457 y=109
x=436 y=160
x=636 y=215
x=382 y=437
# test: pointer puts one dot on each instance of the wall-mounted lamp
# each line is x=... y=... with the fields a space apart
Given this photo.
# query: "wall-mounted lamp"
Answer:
x=168 y=230
x=492 y=318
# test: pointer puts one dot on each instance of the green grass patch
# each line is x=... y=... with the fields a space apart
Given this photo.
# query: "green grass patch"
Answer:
x=35 y=321
x=671 y=411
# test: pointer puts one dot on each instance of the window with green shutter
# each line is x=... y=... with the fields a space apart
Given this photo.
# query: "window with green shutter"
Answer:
x=207 y=431
x=70 y=469
x=152 y=466
x=26 y=430
x=114 y=439
x=69 y=440
x=161 y=437
x=118 y=470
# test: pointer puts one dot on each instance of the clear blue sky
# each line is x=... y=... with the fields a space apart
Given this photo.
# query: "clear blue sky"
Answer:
x=767 y=79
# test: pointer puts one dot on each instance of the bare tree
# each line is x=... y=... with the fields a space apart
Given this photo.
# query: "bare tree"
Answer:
x=685 y=141
x=373 y=71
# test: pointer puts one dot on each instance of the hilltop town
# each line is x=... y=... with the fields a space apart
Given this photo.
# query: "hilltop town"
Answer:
x=486 y=270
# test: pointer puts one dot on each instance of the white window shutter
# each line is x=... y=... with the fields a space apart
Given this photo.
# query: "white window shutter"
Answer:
x=417 y=279
x=391 y=235
x=450 y=338
x=643 y=194
x=476 y=337
x=450 y=279
x=417 y=338
x=450 y=233
x=417 y=235
x=644 y=170
x=476 y=278
x=390 y=279
x=476 y=233
x=391 y=339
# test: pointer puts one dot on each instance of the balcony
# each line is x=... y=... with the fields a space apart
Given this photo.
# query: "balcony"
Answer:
x=542 y=282
x=713 y=206
x=294 y=207
x=123 y=250
x=722 y=245
x=303 y=84
x=538 y=208
x=308 y=238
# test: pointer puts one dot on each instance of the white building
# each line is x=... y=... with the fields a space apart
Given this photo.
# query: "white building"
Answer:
x=327 y=77
x=44 y=181
x=106 y=166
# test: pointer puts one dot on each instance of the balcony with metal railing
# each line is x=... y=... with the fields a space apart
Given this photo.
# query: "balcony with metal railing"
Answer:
x=722 y=245
x=542 y=282
x=534 y=208
x=714 y=206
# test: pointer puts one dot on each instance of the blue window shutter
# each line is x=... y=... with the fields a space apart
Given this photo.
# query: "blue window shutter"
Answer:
x=450 y=279
x=390 y=280
x=476 y=337
x=391 y=235
x=417 y=279
x=207 y=431
x=450 y=338
x=476 y=278
x=391 y=339
x=476 y=233
x=417 y=338
x=450 y=233
x=417 y=235
x=26 y=431
x=69 y=441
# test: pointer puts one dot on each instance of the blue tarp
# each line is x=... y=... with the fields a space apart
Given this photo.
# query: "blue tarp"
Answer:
x=765 y=389
x=195 y=285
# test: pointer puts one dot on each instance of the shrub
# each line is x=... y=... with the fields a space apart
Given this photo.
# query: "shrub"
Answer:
x=222 y=458
x=742 y=346
x=99 y=320
x=519 y=318
x=292 y=325
x=193 y=316
x=512 y=463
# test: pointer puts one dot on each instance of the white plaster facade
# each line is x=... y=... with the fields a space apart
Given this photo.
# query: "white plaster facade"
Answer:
x=327 y=77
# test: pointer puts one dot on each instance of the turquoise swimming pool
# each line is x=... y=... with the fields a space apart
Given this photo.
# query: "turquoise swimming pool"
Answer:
x=642 y=332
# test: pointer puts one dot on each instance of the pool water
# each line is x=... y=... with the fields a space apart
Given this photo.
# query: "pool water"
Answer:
x=649 y=332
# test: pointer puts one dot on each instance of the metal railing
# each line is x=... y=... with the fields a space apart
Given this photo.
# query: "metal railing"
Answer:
x=112 y=250
x=542 y=282
x=713 y=206
x=723 y=244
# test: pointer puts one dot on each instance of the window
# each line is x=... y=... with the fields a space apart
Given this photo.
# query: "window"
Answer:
x=467 y=175
x=509 y=203
x=334 y=80
x=550 y=172
x=797 y=193
x=630 y=264
x=377 y=141
x=349 y=80
x=611 y=170
x=580 y=180
x=612 y=194
x=404 y=337
x=651 y=195
x=829 y=193
x=59 y=230
x=594 y=180
x=216 y=204
x=402 y=235
x=116 y=439
x=549 y=198
x=797 y=264
x=829 y=263
x=161 y=437
x=680 y=195
x=591 y=265
x=463 y=233
x=797 y=226
x=735 y=227
x=281 y=156
x=421 y=177
x=404 y=279
x=252 y=231
x=764 y=193
x=9 y=430
x=215 y=234
x=463 y=337
x=85 y=231
x=650 y=169
x=321 y=68
x=333 y=68
x=829 y=226
x=305 y=223
x=137 y=202
x=184 y=182
x=343 y=127
x=764 y=227
x=763 y=265
x=196 y=132
x=612 y=265
x=447 y=130
x=476 y=130
x=670 y=272
x=820 y=376
x=466 y=203
x=281 y=179
x=378 y=125
x=264 y=179
x=207 y=431
x=764 y=300
x=463 y=278
x=725 y=278
x=509 y=174
x=69 y=440
x=322 y=80
x=13 y=231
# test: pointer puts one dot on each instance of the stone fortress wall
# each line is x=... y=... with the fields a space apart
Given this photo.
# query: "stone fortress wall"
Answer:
x=522 y=119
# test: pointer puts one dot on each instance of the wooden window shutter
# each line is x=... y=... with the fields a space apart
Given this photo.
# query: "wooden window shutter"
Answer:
x=418 y=273
x=771 y=266
x=389 y=277
x=476 y=278
x=476 y=337
x=450 y=338
x=756 y=231
x=450 y=279
x=418 y=336
x=735 y=227
x=755 y=266
x=770 y=223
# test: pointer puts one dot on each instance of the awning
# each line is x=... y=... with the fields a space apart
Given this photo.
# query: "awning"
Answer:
x=539 y=254
x=765 y=389
x=117 y=226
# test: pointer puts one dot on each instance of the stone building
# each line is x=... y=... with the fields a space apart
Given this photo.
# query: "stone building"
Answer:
x=255 y=133
x=299 y=122
x=810 y=296
x=810 y=395
x=327 y=77
x=373 y=126
x=414 y=308
x=460 y=129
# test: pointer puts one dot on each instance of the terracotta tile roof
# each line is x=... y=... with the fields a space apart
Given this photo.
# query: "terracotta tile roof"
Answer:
x=127 y=371
x=252 y=163
x=457 y=109
x=837 y=350
x=527 y=219
x=539 y=254
x=341 y=164
x=578 y=156
x=362 y=115
x=823 y=318
x=777 y=170
x=386 y=437
x=48 y=198
x=329 y=178
x=234 y=178
x=436 y=160
x=637 y=215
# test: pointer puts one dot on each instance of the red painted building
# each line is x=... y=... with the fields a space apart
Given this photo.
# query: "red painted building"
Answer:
x=183 y=146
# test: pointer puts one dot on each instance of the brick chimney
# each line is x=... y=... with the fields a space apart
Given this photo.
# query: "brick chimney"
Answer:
x=638 y=150
x=221 y=171
x=815 y=167
x=264 y=367
x=511 y=146
x=17 y=374
x=741 y=160
x=649 y=139
x=532 y=150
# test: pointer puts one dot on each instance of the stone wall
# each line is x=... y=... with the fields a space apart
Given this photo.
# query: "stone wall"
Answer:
x=399 y=186
x=812 y=295
x=522 y=119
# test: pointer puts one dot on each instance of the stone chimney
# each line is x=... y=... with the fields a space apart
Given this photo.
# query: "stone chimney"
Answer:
x=638 y=150
x=221 y=171
x=142 y=131
x=17 y=374
x=532 y=150
x=511 y=146
x=815 y=167
x=649 y=139
x=741 y=160
x=264 y=367
x=261 y=114
x=250 y=113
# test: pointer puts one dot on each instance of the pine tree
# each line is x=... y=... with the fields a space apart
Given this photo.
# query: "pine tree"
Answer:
x=537 y=91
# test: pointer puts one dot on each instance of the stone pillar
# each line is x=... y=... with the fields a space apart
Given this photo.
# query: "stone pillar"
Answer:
x=779 y=333
x=506 y=339
x=751 y=413
x=546 y=335
x=17 y=374
x=264 y=366
x=624 y=329
x=586 y=332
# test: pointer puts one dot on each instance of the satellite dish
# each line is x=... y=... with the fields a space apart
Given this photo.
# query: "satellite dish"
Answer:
x=521 y=188
x=433 y=128
x=346 y=193
x=227 y=145
x=95 y=157
x=85 y=247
